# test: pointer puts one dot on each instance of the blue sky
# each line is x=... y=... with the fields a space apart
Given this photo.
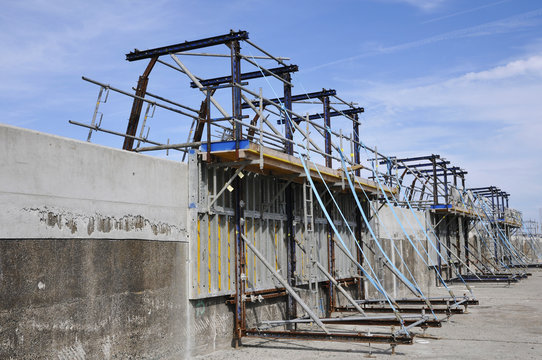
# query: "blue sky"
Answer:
x=458 y=78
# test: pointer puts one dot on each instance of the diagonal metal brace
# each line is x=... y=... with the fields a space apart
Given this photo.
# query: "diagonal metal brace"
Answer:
x=217 y=196
x=284 y=283
x=333 y=280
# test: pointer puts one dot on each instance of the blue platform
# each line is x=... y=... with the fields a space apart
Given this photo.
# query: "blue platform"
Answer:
x=225 y=145
x=449 y=206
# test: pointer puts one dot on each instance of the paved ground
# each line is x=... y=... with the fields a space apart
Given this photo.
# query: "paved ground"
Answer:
x=506 y=325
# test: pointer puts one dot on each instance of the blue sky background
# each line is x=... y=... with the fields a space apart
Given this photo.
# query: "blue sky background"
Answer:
x=454 y=77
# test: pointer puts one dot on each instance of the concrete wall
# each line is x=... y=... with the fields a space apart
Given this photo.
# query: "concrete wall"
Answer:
x=59 y=188
x=93 y=251
x=92 y=299
x=400 y=250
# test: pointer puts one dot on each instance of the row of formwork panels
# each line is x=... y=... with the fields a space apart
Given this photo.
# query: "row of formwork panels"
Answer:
x=528 y=244
x=212 y=248
x=264 y=194
x=213 y=255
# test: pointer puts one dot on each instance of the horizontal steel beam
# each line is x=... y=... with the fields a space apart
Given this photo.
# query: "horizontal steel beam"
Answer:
x=459 y=173
x=441 y=171
x=517 y=275
x=427 y=157
x=433 y=301
x=487 y=193
x=186 y=46
x=485 y=280
x=408 y=320
x=313 y=95
x=246 y=76
x=381 y=322
x=528 y=265
x=423 y=165
x=417 y=310
x=482 y=188
x=320 y=336
x=406 y=310
x=332 y=114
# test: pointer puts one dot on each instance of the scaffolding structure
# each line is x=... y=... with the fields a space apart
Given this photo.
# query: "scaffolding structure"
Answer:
x=283 y=209
x=455 y=212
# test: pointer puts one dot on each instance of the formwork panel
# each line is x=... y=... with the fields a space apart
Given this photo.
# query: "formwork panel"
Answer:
x=213 y=248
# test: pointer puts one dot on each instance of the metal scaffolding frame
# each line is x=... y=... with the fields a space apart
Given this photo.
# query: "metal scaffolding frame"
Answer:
x=453 y=212
x=229 y=156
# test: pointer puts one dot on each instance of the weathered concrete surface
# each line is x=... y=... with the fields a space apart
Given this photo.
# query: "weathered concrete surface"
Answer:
x=93 y=251
x=92 y=299
x=53 y=187
x=212 y=321
x=506 y=325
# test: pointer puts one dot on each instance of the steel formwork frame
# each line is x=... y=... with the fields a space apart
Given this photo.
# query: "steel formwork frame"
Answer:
x=443 y=218
x=252 y=148
x=447 y=220
x=232 y=41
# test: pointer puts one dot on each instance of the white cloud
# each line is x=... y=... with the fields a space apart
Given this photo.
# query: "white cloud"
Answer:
x=494 y=94
x=43 y=36
x=530 y=66
x=488 y=122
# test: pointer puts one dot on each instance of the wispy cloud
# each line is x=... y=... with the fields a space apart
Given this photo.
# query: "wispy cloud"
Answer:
x=48 y=45
x=505 y=25
x=481 y=90
x=50 y=35
x=424 y=5
x=467 y=11
x=488 y=122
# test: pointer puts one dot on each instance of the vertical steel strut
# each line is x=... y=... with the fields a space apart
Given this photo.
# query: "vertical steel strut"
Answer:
x=137 y=105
